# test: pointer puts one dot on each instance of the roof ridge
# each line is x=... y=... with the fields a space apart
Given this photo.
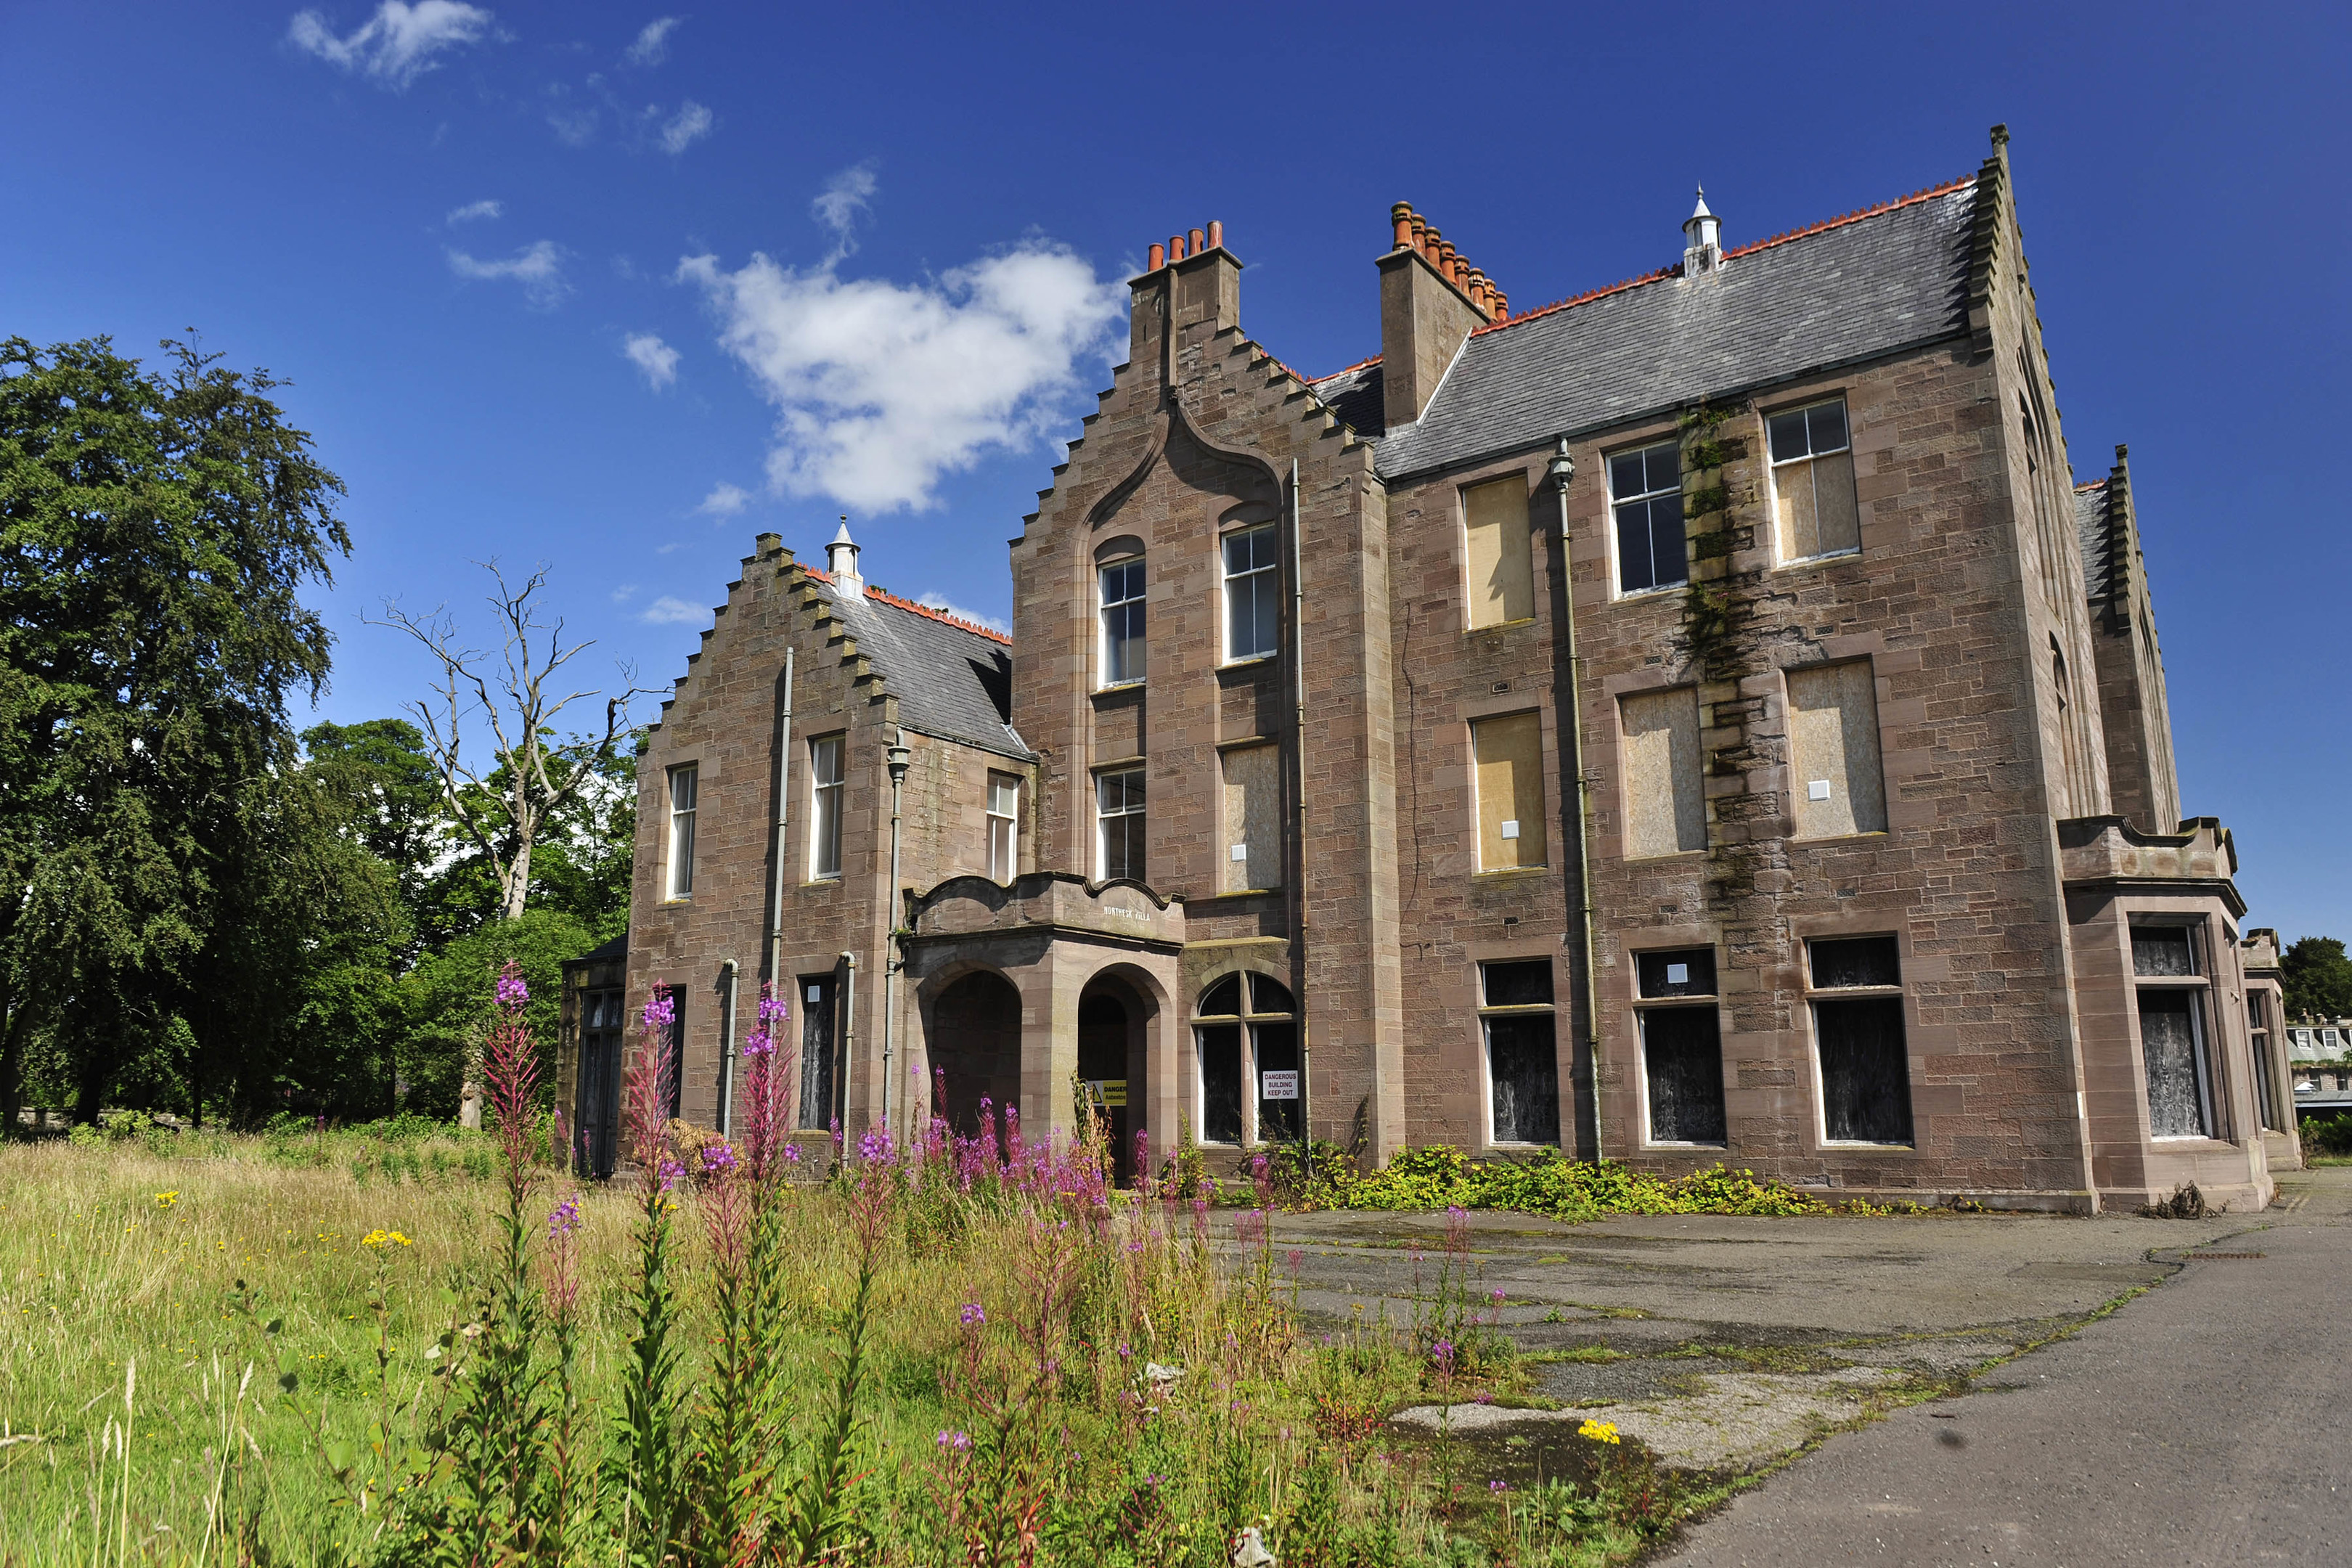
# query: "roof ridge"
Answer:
x=1947 y=189
x=925 y=610
x=2090 y=485
x=1344 y=370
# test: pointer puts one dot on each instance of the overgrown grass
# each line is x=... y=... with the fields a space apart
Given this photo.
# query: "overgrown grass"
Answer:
x=286 y=1370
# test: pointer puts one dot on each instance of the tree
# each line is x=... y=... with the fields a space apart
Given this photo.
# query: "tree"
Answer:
x=156 y=531
x=2318 y=978
x=505 y=813
x=381 y=772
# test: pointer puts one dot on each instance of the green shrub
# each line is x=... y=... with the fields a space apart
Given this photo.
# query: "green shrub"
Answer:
x=2326 y=1135
x=1552 y=1184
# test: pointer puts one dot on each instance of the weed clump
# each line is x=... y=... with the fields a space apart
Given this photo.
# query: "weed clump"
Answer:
x=1554 y=1186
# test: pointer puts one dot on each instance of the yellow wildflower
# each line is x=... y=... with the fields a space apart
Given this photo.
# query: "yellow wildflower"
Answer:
x=165 y=1200
x=382 y=1238
x=1599 y=1431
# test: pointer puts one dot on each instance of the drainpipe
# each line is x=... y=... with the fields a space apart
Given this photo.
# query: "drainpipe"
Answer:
x=784 y=810
x=730 y=972
x=841 y=1052
x=1562 y=469
x=1298 y=821
x=899 y=757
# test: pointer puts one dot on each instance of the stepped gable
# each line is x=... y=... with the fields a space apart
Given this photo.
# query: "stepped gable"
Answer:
x=1850 y=290
x=952 y=679
x=2091 y=527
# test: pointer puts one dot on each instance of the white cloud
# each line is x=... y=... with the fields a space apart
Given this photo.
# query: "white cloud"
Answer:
x=573 y=126
x=673 y=544
x=844 y=198
x=690 y=124
x=725 y=499
x=486 y=208
x=397 y=44
x=883 y=388
x=538 y=267
x=655 y=357
x=621 y=594
x=667 y=611
x=939 y=602
x=653 y=44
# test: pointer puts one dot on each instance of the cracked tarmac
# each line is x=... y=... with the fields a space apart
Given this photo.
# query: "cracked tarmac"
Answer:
x=1724 y=1342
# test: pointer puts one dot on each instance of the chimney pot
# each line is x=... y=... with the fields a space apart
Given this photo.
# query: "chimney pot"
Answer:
x=1200 y=242
x=1502 y=306
x=1432 y=242
x=1159 y=257
x=1216 y=234
x=1175 y=248
x=1401 y=215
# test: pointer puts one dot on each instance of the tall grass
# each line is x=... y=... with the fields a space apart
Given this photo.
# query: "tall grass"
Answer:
x=972 y=1351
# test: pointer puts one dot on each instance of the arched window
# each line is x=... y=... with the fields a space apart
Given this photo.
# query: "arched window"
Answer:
x=1245 y=1029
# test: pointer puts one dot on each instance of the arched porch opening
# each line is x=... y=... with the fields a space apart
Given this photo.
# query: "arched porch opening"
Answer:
x=1114 y=1020
x=975 y=1052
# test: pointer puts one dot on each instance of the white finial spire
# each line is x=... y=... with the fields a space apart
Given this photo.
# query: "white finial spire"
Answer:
x=841 y=561
x=1702 y=239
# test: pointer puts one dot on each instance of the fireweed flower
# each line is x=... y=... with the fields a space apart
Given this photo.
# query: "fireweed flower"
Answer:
x=1441 y=1352
x=973 y=1315
x=661 y=1010
x=954 y=1442
x=874 y=1147
x=671 y=1173
x=717 y=1159
x=564 y=1218
x=1499 y=1486
x=791 y=1154
x=512 y=992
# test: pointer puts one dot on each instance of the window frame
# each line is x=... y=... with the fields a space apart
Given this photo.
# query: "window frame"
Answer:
x=678 y=875
x=1774 y=463
x=1489 y=1014
x=1247 y=1022
x=1609 y=461
x=1227 y=577
x=2212 y=1099
x=1003 y=823
x=1513 y=484
x=1709 y=1001
x=1817 y=994
x=1141 y=810
x=1106 y=681
x=828 y=801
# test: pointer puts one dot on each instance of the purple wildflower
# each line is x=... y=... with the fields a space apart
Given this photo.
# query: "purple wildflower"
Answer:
x=791 y=1154
x=1499 y=1486
x=564 y=1218
x=875 y=1146
x=717 y=1159
x=671 y=1173
x=512 y=992
x=973 y=1314
x=661 y=1009
x=954 y=1442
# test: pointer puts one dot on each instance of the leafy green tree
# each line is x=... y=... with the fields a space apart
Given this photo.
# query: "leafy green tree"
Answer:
x=381 y=772
x=156 y=531
x=449 y=1001
x=2317 y=976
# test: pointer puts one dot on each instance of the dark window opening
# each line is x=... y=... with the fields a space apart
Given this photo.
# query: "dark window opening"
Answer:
x=1519 y=985
x=1646 y=490
x=817 y=1077
x=1686 y=972
x=1682 y=1058
x=1524 y=1064
x=1865 y=1071
x=1856 y=960
x=1221 y=1083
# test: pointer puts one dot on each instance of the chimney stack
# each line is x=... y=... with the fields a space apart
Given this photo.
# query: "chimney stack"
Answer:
x=1203 y=283
x=1431 y=300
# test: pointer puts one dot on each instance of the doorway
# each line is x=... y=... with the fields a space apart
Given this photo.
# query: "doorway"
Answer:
x=975 y=1049
x=1106 y=1054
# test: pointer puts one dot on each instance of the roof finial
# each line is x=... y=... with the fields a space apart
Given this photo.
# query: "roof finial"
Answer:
x=1702 y=239
x=841 y=560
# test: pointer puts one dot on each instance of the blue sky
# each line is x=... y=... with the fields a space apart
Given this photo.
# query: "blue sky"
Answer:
x=615 y=287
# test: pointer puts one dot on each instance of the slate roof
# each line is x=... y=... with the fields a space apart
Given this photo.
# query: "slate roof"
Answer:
x=952 y=680
x=1841 y=293
x=1356 y=396
x=2091 y=526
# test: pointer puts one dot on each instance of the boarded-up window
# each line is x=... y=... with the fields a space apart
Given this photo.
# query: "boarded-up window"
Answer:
x=1509 y=759
x=1834 y=751
x=1501 y=576
x=1522 y=1052
x=1812 y=481
x=1252 y=845
x=1865 y=1063
x=2171 y=1046
x=1665 y=797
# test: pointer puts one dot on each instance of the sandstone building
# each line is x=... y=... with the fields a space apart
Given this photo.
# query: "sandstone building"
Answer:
x=1699 y=720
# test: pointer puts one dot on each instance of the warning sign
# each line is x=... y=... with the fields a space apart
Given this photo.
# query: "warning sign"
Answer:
x=1110 y=1093
x=1277 y=1086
